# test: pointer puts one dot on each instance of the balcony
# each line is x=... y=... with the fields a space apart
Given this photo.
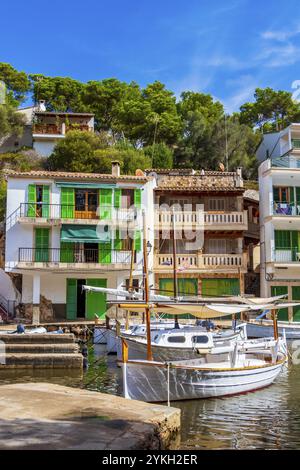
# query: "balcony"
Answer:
x=47 y=129
x=286 y=209
x=72 y=258
x=201 y=262
x=287 y=255
x=51 y=214
x=211 y=220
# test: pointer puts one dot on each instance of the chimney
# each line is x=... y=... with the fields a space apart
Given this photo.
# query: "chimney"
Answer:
x=41 y=105
x=239 y=183
x=115 y=168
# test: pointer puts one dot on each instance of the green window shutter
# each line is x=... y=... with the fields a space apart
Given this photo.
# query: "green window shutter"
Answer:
x=280 y=290
x=46 y=202
x=296 y=296
x=276 y=194
x=31 y=208
x=42 y=244
x=137 y=240
x=71 y=299
x=117 y=198
x=294 y=244
x=117 y=241
x=220 y=287
x=105 y=204
x=282 y=239
x=95 y=301
x=105 y=252
x=67 y=201
x=292 y=198
x=298 y=196
x=67 y=252
x=137 y=198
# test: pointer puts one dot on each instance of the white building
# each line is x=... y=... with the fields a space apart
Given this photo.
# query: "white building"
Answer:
x=43 y=129
x=279 y=183
x=68 y=229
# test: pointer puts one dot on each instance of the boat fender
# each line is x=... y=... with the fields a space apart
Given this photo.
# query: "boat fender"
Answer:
x=203 y=351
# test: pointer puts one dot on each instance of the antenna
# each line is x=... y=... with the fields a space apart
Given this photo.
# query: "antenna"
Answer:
x=226 y=142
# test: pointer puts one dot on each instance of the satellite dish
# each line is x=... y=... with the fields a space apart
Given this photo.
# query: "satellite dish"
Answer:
x=139 y=172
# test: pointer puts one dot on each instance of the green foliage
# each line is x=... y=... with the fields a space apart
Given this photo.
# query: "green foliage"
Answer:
x=17 y=84
x=11 y=122
x=25 y=160
x=161 y=155
x=271 y=111
x=2 y=197
x=60 y=93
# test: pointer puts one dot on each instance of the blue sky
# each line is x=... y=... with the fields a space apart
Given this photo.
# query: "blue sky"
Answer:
x=226 y=48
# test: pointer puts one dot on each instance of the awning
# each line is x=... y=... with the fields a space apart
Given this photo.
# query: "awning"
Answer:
x=84 y=234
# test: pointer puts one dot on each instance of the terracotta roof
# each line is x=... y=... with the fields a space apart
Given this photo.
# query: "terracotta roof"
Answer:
x=214 y=181
x=75 y=176
x=62 y=113
x=252 y=194
x=187 y=172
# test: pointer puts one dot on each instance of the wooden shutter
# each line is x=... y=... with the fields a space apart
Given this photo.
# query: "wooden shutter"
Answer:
x=117 y=241
x=71 y=299
x=105 y=204
x=42 y=244
x=117 y=198
x=292 y=198
x=137 y=240
x=296 y=296
x=105 y=252
x=67 y=252
x=280 y=290
x=275 y=194
x=137 y=198
x=46 y=201
x=95 y=301
x=67 y=200
x=31 y=199
x=282 y=239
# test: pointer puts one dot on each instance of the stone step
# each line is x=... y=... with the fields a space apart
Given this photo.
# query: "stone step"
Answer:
x=38 y=338
x=31 y=361
x=46 y=348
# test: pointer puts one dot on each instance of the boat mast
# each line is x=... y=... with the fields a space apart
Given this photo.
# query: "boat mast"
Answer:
x=131 y=289
x=174 y=266
x=146 y=289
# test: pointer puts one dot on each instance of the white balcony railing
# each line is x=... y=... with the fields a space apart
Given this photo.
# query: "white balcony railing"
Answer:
x=206 y=219
x=201 y=261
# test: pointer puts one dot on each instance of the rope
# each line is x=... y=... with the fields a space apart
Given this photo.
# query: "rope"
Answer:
x=168 y=382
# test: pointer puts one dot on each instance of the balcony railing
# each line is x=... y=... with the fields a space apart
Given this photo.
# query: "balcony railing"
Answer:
x=204 y=261
x=64 y=211
x=47 y=129
x=287 y=255
x=286 y=208
x=208 y=218
x=73 y=255
x=287 y=161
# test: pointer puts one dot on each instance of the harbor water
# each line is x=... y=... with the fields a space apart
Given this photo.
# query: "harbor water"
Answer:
x=265 y=419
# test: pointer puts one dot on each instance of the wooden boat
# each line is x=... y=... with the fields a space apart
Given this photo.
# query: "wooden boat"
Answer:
x=185 y=343
x=260 y=329
x=154 y=381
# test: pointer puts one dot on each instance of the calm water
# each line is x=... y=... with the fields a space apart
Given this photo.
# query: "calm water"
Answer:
x=269 y=418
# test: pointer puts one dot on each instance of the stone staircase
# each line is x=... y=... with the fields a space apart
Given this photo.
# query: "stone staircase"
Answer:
x=41 y=351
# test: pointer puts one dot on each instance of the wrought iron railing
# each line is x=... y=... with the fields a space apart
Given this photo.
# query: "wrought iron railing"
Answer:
x=287 y=255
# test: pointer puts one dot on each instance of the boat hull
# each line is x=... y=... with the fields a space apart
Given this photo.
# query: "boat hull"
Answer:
x=149 y=382
x=257 y=330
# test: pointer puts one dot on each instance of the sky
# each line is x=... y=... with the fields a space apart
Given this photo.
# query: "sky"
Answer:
x=225 y=48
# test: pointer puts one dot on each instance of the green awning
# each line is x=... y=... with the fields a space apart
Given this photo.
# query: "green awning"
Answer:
x=83 y=234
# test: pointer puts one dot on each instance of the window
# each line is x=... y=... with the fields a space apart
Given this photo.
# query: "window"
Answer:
x=86 y=200
x=176 y=339
x=200 y=339
x=216 y=204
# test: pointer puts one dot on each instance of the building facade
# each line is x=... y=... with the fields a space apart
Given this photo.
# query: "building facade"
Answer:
x=43 y=129
x=279 y=184
x=210 y=222
x=64 y=230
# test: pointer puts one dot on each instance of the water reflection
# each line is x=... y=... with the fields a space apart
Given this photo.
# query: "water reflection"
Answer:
x=265 y=419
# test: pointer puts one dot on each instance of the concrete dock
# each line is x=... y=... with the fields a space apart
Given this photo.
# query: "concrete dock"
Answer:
x=48 y=416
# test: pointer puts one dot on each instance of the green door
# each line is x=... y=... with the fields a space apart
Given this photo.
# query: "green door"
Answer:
x=71 y=299
x=67 y=200
x=42 y=245
x=105 y=204
x=283 y=313
x=46 y=201
x=220 y=287
x=95 y=301
x=296 y=296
